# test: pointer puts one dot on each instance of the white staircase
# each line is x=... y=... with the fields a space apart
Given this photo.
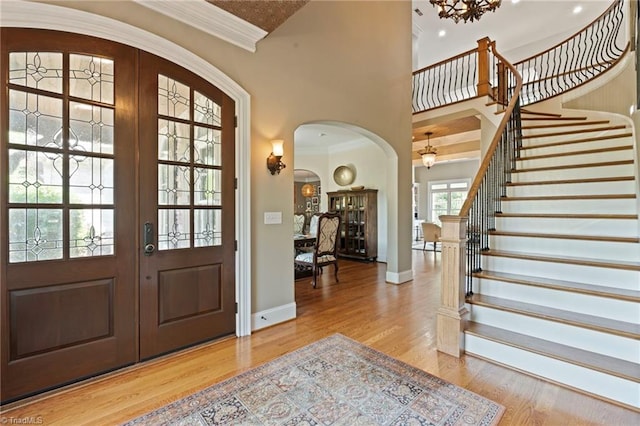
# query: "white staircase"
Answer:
x=559 y=291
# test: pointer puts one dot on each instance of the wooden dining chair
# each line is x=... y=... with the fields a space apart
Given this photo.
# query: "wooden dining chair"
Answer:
x=325 y=250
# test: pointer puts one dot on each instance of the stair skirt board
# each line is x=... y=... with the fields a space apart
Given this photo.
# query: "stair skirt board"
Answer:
x=576 y=377
x=620 y=347
x=578 y=226
x=618 y=278
x=596 y=250
x=605 y=307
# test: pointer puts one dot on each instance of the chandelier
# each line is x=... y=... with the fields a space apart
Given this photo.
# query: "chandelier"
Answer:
x=428 y=154
x=468 y=10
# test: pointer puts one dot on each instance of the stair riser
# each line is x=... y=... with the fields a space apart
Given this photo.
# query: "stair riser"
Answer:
x=578 y=146
x=595 y=206
x=611 y=387
x=596 y=250
x=601 y=157
x=587 y=188
x=604 y=307
x=617 y=278
x=574 y=173
x=578 y=337
x=612 y=227
x=536 y=137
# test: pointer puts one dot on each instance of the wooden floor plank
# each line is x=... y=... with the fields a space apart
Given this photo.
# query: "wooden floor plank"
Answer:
x=399 y=320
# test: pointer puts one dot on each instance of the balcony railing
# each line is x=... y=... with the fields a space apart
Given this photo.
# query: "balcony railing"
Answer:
x=569 y=64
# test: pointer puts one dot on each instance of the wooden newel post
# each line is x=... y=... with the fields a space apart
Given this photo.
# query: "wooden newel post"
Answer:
x=484 y=86
x=452 y=313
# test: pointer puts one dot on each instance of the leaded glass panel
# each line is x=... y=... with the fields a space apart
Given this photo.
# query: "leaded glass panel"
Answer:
x=90 y=180
x=35 y=234
x=91 y=77
x=91 y=128
x=174 y=142
x=205 y=110
x=40 y=70
x=91 y=232
x=173 y=185
x=206 y=188
x=35 y=120
x=173 y=229
x=207 y=227
x=35 y=177
x=174 y=98
x=207 y=146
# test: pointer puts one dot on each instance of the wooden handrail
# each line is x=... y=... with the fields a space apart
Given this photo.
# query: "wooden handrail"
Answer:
x=497 y=137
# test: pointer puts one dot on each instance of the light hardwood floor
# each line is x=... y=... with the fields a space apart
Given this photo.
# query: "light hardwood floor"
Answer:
x=398 y=320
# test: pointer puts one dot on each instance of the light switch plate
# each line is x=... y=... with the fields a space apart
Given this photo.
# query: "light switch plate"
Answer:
x=272 y=218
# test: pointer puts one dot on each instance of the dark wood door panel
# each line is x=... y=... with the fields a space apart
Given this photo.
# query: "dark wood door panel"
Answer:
x=72 y=317
x=187 y=286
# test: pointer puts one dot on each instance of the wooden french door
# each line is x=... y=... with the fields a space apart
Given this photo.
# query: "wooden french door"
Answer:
x=187 y=210
x=81 y=131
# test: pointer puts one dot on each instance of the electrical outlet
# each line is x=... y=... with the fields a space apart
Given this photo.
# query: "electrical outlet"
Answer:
x=272 y=218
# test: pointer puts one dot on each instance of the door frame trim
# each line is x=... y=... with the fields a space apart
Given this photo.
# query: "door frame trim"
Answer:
x=47 y=16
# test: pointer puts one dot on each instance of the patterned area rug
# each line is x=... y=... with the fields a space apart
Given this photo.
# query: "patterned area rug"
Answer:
x=335 y=381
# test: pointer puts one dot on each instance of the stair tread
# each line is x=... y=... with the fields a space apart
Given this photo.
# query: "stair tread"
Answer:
x=605 y=238
x=591 y=289
x=574 y=166
x=570 y=181
x=569 y=197
x=619 y=264
x=582 y=152
x=574 y=141
x=556 y=125
x=603 y=363
x=540 y=113
x=555 y=118
x=573 y=132
x=569 y=216
x=591 y=322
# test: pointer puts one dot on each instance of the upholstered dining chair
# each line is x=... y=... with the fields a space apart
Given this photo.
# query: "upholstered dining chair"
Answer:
x=325 y=250
x=298 y=223
x=430 y=234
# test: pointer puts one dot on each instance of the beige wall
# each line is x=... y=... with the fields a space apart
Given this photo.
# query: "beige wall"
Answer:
x=347 y=61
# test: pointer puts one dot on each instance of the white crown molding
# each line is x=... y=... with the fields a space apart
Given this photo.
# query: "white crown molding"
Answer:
x=19 y=13
x=210 y=19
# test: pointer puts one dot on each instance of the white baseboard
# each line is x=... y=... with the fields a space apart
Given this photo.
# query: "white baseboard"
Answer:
x=399 y=277
x=273 y=316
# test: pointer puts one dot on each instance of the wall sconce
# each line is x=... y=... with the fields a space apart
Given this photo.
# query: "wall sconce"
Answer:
x=274 y=163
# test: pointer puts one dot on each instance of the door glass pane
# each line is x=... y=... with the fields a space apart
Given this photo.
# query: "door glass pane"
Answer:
x=91 y=232
x=174 y=143
x=173 y=229
x=35 y=177
x=208 y=227
x=40 y=70
x=207 y=146
x=91 y=128
x=207 y=187
x=35 y=234
x=174 y=98
x=173 y=185
x=206 y=111
x=457 y=200
x=90 y=180
x=35 y=120
x=91 y=78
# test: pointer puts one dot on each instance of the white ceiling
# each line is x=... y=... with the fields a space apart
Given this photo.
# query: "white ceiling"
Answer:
x=512 y=26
